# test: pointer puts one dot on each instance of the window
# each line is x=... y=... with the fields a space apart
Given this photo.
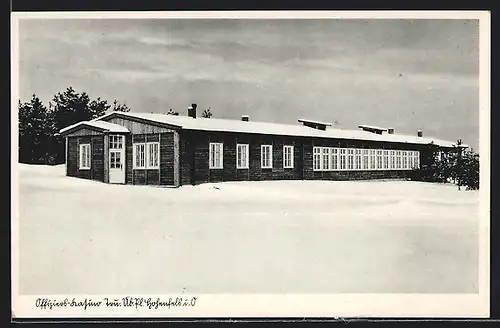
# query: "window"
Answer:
x=350 y=159
x=146 y=155
x=139 y=151
x=153 y=155
x=215 y=156
x=398 y=159
x=386 y=159
x=316 y=158
x=357 y=159
x=392 y=159
x=366 y=161
x=84 y=157
x=266 y=161
x=372 y=159
x=242 y=156
x=115 y=142
x=335 y=159
x=343 y=152
x=115 y=160
x=326 y=158
x=405 y=160
x=379 y=159
x=416 y=159
x=287 y=157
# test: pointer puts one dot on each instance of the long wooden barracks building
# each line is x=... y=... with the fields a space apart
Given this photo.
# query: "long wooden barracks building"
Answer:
x=170 y=150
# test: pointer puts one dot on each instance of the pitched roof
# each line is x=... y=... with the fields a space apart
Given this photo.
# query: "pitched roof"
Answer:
x=100 y=125
x=226 y=125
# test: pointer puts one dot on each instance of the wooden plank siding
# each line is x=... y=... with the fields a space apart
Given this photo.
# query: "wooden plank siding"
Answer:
x=136 y=127
x=164 y=175
x=194 y=158
x=96 y=171
x=84 y=132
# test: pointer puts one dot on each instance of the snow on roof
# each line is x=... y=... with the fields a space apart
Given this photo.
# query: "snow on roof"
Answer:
x=226 y=125
x=371 y=127
x=303 y=120
x=103 y=125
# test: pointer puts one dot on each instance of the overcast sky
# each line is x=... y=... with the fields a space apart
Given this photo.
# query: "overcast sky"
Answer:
x=420 y=74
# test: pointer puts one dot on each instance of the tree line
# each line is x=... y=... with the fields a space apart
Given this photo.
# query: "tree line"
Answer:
x=38 y=123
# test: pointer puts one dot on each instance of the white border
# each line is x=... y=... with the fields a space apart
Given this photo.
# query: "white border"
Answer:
x=328 y=305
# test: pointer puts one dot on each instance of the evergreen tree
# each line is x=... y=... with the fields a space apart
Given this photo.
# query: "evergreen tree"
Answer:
x=34 y=132
x=207 y=113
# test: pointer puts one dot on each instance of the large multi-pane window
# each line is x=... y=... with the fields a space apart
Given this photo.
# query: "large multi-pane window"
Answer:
x=139 y=154
x=335 y=159
x=242 y=156
x=326 y=159
x=343 y=163
x=392 y=159
x=287 y=157
x=386 y=159
x=153 y=154
x=329 y=158
x=379 y=159
x=84 y=157
x=266 y=160
x=350 y=159
x=398 y=159
x=372 y=159
x=317 y=158
x=146 y=155
x=357 y=159
x=416 y=159
x=366 y=159
x=405 y=159
x=215 y=155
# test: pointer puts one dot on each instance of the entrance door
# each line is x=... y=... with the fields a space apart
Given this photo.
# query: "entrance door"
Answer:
x=116 y=159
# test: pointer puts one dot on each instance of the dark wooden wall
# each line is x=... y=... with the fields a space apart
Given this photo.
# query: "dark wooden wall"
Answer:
x=162 y=176
x=96 y=171
x=194 y=157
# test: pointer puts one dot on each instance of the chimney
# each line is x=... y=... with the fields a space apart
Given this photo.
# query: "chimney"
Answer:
x=419 y=133
x=192 y=110
x=245 y=118
x=390 y=130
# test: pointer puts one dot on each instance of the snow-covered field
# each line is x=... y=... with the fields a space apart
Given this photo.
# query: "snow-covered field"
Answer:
x=84 y=237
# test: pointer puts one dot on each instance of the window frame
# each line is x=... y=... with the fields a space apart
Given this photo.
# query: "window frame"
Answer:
x=334 y=159
x=147 y=147
x=373 y=160
x=325 y=159
x=385 y=160
x=399 y=160
x=365 y=159
x=245 y=148
x=416 y=159
x=404 y=165
x=212 y=156
x=392 y=159
x=317 y=158
x=150 y=146
x=343 y=159
x=134 y=155
x=84 y=160
x=269 y=158
x=290 y=149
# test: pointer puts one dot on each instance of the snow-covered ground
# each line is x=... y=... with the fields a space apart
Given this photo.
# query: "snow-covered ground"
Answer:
x=84 y=237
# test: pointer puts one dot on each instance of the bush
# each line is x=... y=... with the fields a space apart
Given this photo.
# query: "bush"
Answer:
x=458 y=166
